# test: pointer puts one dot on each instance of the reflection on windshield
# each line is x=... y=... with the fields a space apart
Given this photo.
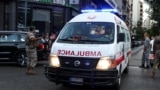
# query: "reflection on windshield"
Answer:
x=8 y=37
x=97 y=32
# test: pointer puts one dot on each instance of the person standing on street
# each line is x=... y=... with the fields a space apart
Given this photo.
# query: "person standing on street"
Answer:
x=31 y=51
x=156 y=51
x=152 y=43
x=52 y=38
x=146 y=51
x=151 y=56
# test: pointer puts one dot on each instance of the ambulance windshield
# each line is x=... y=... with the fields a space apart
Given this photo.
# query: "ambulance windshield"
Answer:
x=88 y=32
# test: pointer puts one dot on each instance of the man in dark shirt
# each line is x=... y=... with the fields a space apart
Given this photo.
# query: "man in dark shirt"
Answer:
x=156 y=51
x=146 y=52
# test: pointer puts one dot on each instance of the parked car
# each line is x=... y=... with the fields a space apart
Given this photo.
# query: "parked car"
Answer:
x=12 y=48
x=135 y=44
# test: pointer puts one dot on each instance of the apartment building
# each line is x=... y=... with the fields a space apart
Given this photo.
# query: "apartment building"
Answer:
x=137 y=13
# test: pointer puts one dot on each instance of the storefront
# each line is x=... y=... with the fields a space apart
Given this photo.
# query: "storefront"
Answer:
x=7 y=15
x=45 y=15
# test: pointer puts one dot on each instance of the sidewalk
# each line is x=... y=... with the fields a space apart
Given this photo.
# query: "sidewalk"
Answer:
x=136 y=56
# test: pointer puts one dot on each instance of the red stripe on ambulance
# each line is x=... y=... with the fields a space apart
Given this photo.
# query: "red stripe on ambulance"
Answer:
x=119 y=60
x=129 y=52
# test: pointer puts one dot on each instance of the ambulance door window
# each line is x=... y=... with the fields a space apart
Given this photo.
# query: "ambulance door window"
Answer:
x=124 y=31
x=128 y=39
x=118 y=31
x=128 y=36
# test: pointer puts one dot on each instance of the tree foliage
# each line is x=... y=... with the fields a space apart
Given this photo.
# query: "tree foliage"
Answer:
x=139 y=31
x=154 y=30
x=155 y=15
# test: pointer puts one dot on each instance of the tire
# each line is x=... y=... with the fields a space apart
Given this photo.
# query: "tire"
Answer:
x=151 y=64
x=21 y=59
x=66 y=85
x=117 y=85
x=126 y=70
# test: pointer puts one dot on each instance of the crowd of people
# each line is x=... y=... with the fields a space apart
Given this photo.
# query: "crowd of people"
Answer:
x=48 y=39
x=151 y=52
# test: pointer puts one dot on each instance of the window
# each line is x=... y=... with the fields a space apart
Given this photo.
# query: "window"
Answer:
x=118 y=29
x=6 y=16
x=127 y=36
x=22 y=37
x=21 y=18
x=58 y=18
x=90 y=32
x=124 y=31
x=41 y=15
x=8 y=38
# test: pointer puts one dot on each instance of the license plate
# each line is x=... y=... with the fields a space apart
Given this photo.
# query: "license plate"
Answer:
x=74 y=79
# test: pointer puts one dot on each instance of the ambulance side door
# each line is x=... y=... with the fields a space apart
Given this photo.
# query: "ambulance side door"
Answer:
x=126 y=47
x=120 y=48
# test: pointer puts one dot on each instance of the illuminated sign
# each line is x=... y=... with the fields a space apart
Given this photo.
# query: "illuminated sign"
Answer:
x=62 y=2
x=46 y=1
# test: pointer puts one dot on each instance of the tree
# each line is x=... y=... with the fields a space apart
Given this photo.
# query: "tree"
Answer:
x=139 y=30
x=155 y=15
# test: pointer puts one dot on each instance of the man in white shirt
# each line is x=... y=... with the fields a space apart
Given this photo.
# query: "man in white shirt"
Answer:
x=151 y=42
x=151 y=56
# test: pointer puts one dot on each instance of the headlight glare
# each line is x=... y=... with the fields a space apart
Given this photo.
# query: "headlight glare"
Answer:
x=54 y=61
x=104 y=63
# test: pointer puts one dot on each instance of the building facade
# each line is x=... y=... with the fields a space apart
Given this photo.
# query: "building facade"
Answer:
x=123 y=7
x=147 y=22
x=51 y=15
x=7 y=16
x=45 y=15
x=137 y=13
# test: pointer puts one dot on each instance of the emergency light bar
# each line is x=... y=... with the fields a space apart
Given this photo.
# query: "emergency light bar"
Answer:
x=102 y=10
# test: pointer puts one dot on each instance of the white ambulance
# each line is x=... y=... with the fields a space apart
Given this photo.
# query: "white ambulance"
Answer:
x=93 y=49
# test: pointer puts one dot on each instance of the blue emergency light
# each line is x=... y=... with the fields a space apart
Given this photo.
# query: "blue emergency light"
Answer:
x=102 y=10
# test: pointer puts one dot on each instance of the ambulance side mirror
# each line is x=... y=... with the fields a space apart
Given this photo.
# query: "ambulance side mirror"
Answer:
x=121 y=37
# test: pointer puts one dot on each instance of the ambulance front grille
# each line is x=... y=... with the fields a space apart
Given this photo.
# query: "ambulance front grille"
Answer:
x=76 y=62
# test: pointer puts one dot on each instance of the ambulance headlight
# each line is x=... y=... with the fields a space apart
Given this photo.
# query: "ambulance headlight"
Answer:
x=54 y=61
x=104 y=63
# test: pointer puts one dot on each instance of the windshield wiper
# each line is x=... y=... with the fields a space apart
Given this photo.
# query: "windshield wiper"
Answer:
x=85 y=41
x=93 y=41
x=89 y=40
x=65 y=40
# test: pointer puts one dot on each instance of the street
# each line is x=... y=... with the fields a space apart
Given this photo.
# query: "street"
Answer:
x=13 y=77
x=87 y=42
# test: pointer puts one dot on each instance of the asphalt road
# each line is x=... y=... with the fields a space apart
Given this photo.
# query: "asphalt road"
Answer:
x=13 y=77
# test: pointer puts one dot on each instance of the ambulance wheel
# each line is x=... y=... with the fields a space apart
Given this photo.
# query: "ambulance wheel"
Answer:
x=66 y=85
x=117 y=85
x=126 y=70
x=151 y=64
